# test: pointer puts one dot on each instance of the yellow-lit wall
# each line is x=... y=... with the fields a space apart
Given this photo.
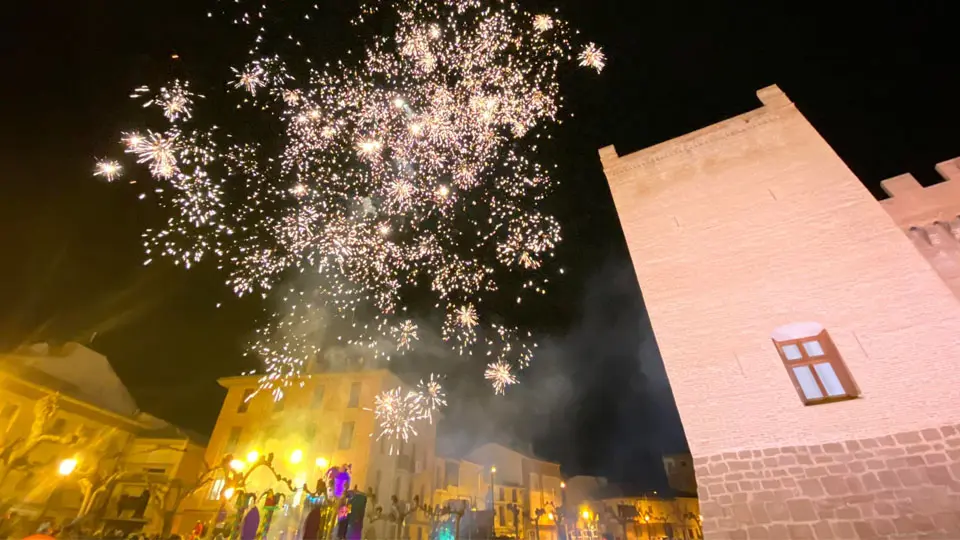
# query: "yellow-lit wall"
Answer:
x=45 y=491
x=18 y=398
x=656 y=517
x=311 y=420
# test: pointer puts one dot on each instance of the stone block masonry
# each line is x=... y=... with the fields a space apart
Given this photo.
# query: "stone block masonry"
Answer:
x=904 y=486
x=754 y=226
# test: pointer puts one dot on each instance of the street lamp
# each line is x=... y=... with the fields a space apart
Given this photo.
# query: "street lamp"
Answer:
x=237 y=465
x=322 y=462
x=296 y=456
x=67 y=466
x=228 y=493
x=252 y=457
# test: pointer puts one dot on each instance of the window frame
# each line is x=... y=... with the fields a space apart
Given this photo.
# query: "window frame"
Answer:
x=349 y=441
x=245 y=400
x=831 y=355
x=351 y=402
x=319 y=393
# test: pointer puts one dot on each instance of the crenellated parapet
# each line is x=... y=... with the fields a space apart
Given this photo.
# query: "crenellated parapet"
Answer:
x=930 y=217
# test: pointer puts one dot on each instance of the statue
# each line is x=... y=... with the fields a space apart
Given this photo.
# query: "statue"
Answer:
x=270 y=502
x=338 y=480
x=43 y=413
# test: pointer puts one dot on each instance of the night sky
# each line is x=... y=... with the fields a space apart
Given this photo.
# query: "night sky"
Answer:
x=877 y=83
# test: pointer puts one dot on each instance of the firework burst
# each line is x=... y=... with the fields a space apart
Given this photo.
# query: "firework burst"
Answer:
x=592 y=56
x=396 y=412
x=108 y=169
x=406 y=334
x=409 y=171
x=500 y=376
x=430 y=397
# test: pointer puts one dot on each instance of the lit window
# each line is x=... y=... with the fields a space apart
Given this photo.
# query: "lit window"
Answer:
x=318 y=397
x=58 y=427
x=216 y=488
x=813 y=348
x=814 y=363
x=245 y=401
x=233 y=440
x=792 y=352
x=354 y=400
x=346 y=435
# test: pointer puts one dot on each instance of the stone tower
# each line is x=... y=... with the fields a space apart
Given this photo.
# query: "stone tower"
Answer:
x=813 y=351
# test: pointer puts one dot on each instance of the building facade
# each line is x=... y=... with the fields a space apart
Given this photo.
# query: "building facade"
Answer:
x=595 y=508
x=680 y=475
x=69 y=428
x=327 y=421
x=809 y=345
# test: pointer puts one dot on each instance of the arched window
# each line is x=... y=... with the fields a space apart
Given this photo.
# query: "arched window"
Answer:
x=814 y=363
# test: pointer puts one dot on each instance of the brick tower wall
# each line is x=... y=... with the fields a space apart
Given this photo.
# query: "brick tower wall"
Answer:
x=754 y=223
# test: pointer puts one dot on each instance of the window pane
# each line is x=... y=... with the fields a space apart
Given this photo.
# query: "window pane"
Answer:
x=318 y=397
x=807 y=383
x=346 y=435
x=829 y=379
x=245 y=401
x=792 y=352
x=813 y=348
x=354 y=400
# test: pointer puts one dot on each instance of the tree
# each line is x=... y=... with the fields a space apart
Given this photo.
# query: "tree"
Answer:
x=621 y=517
x=514 y=509
x=15 y=454
x=558 y=517
x=437 y=513
x=171 y=495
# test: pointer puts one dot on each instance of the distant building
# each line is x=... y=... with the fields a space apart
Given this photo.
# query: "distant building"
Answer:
x=810 y=347
x=680 y=475
x=94 y=423
x=519 y=484
x=648 y=516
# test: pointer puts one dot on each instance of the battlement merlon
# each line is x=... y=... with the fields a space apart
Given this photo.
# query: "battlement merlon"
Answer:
x=912 y=205
x=773 y=101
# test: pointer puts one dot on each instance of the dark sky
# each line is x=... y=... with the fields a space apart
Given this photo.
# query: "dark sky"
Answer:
x=878 y=83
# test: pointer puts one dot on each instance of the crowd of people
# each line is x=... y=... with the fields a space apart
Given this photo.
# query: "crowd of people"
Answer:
x=16 y=527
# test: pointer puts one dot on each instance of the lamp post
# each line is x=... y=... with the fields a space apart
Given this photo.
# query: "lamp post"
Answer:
x=493 y=501
x=67 y=466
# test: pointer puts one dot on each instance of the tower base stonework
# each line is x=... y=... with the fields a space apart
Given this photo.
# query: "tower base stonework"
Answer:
x=905 y=485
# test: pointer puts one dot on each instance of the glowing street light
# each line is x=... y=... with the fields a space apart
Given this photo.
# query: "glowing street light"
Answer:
x=237 y=465
x=252 y=457
x=296 y=456
x=67 y=466
x=563 y=485
x=586 y=514
x=228 y=493
x=322 y=462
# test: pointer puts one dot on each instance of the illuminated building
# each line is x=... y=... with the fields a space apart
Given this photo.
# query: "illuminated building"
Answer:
x=680 y=475
x=328 y=421
x=597 y=507
x=516 y=480
x=810 y=346
x=94 y=423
